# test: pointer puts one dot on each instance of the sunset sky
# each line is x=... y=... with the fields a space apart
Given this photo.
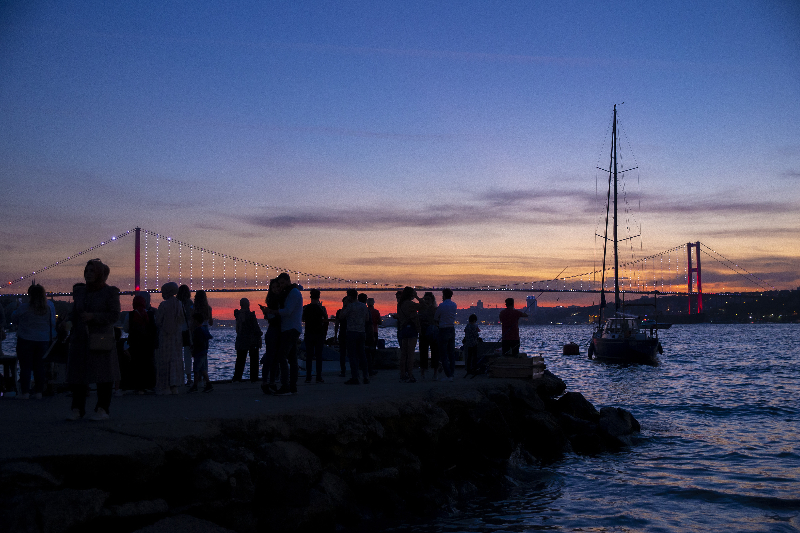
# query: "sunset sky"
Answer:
x=400 y=142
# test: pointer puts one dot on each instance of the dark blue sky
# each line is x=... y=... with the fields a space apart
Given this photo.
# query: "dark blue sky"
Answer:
x=397 y=139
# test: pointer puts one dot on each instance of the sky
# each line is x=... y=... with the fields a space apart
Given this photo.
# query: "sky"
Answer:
x=400 y=142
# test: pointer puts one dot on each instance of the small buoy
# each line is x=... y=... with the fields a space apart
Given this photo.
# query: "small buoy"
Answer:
x=571 y=349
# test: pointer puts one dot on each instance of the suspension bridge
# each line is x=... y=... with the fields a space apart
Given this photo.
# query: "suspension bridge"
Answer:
x=159 y=258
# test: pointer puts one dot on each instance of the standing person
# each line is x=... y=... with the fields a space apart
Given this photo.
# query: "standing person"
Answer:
x=142 y=342
x=428 y=335
x=291 y=313
x=92 y=347
x=269 y=370
x=340 y=332
x=36 y=330
x=200 y=338
x=169 y=356
x=248 y=341
x=471 y=338
x=355 y=313
x=375 y=321
x=185 y=298
x=509 y=319
x=407 y=331
x=445 y=317
x=315 y=318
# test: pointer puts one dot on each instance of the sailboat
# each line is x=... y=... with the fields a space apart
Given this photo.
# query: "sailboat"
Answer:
x=623 y=338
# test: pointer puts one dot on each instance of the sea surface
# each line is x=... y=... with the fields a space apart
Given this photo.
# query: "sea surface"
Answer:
x=719 y=448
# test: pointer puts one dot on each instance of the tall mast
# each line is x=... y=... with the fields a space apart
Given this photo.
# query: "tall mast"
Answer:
x=614 y=162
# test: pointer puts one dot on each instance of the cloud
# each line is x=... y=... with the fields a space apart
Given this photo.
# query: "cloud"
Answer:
x=791 y=174
x=717 y=206
x=519 y=206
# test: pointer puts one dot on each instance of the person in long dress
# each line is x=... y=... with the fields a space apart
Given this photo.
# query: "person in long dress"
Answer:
x=169 y=355
x=95 y=310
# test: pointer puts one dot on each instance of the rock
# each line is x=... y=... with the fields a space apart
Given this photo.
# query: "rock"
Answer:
x=183 y=524
x=618 y=424
x=140 y=508
x=55 y=512
x=543 y=437
x=215 y=481
x=382 y=476
x=288 y=471
x=23 y=475
x=548 y=385
x=575 y=405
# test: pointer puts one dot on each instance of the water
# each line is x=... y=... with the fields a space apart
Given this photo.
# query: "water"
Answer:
x=718 y=449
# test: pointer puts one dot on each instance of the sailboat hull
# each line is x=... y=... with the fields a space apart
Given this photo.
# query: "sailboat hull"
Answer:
x=626 y=351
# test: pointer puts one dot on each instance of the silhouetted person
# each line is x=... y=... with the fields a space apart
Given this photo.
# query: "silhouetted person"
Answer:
x=92 y=358
x=185 y=298
x=372 y=347
x=291 y=313
x=509 y=319
x=169 y=356
x=407 y=331
x=340 y=332
x=200 y=338
x=142 y=342
x=248 y=341
x=471 y=338
x=445 y=318
x=36 y=331
x=269 y=370
x=428 y=337
x=355 y=313
x=315 y=318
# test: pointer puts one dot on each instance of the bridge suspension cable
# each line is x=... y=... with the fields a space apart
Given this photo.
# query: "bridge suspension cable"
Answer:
x=731 y=265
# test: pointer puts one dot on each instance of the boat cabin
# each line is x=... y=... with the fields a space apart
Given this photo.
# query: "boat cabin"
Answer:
x=622 y=327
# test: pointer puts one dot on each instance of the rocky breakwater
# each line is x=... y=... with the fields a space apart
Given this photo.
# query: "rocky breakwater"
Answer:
x=369 y=457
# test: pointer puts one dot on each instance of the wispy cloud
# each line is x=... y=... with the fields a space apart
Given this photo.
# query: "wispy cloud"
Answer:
x=792 y=174
x=520 y=206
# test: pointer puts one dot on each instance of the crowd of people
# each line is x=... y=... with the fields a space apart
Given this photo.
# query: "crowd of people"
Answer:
x=167 y=347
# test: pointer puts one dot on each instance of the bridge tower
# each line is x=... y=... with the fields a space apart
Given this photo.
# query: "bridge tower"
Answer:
x=137 y=260
x=692 y=270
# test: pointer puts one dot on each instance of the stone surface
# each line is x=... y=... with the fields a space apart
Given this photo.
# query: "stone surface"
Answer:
x=183 y=524
x=329 y=456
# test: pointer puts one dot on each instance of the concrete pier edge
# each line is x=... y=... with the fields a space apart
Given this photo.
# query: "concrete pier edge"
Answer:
x=331 y=456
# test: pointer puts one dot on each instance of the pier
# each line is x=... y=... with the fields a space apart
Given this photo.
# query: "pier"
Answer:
x=330 y=456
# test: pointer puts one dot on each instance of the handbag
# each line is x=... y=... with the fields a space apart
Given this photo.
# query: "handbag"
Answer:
x=102 y=341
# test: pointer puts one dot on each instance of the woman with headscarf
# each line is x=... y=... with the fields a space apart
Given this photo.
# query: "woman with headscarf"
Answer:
x=92 y=357
x=142 y=341
x=169 y=355
x=36 y=330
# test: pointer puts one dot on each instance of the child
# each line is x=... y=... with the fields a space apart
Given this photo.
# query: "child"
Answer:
x=471 y=332
x=200 y=337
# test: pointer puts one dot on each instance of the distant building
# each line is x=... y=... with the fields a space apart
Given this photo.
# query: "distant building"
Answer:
x=531 y=304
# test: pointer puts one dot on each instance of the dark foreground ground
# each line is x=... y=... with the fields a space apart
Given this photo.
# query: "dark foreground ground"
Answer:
x=331 y=456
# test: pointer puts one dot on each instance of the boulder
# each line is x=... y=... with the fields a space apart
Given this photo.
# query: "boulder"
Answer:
x=183 y=524
x=619 y=425
x=575 y=405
